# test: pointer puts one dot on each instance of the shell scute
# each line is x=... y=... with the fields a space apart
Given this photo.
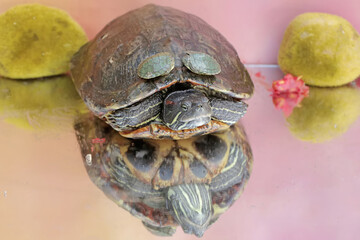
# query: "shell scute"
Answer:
x=113 y=62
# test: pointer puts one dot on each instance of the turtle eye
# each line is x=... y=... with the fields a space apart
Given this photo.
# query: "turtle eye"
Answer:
x=157 y=65
x=184 y=107
x=201 y=63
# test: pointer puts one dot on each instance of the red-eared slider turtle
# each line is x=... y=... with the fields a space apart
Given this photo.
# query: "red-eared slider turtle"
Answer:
x=166 y=183
x=157 y=72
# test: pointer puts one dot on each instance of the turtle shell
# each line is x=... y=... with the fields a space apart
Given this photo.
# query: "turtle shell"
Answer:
x=139 y=185
x=105 y=70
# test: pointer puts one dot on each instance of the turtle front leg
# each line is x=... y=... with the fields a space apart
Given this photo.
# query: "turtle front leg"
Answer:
x=227 y=111
x=135 y=115
x=165 y=231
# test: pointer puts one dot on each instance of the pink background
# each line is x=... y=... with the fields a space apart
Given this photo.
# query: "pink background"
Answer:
x=297 y=190
x=255 y=27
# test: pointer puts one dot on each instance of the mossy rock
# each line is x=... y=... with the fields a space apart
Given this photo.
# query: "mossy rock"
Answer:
x=322 y=48
x=40 y=104
x=37 y=41
x=326 y=113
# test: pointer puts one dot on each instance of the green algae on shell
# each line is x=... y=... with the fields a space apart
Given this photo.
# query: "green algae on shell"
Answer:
x=201 y=63
x=37 y=41
x=157 y=65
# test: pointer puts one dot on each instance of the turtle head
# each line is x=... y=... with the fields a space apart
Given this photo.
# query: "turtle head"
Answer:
x=186 y=109
x=190 y=205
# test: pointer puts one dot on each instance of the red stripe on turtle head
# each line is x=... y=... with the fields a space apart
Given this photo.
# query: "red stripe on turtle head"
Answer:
x=169 y=102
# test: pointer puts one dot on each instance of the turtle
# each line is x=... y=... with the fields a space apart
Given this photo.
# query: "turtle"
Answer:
x=157 y=72
x=166 y=183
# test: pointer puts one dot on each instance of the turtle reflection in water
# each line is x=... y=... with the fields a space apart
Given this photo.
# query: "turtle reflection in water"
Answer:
x=166 y=183
x=157 y=72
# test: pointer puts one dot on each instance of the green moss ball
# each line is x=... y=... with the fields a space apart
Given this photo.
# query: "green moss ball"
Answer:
x=37 y=41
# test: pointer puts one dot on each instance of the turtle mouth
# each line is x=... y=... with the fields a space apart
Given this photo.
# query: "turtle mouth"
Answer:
x=205 y=118
x=193 y=123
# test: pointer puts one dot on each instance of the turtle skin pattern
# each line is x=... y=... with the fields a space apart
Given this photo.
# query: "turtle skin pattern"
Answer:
x=123 y=170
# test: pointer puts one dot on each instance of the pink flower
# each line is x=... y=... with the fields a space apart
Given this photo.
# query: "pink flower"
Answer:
x=288 y=92
x=357 y=81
